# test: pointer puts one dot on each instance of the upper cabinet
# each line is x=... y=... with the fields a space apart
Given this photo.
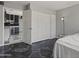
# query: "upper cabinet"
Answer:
x=11 y=19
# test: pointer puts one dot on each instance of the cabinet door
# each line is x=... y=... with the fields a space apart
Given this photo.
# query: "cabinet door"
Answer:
x=1 y=25
x=40 y=26
x=27 y=26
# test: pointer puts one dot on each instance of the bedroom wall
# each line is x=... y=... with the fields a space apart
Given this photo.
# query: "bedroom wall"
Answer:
x=71 y=20
x=40 y=24
x=13 y=5
x=1 y=25
x=41 y=11
x=43 y=24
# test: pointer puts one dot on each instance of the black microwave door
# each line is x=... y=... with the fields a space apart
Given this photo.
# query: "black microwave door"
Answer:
x=15 y=31
x=16 y=20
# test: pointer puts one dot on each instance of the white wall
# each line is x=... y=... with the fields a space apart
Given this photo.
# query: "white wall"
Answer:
x=41 y=9
x=14 y=5
x=1 y=25
x=71 y=19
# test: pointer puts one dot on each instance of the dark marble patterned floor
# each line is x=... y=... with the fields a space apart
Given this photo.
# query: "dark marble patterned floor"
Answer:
x=43 y=49
x=18 y=50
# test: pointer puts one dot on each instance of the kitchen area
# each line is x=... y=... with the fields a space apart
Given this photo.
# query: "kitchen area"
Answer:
x=12 y=44
x=12 y=27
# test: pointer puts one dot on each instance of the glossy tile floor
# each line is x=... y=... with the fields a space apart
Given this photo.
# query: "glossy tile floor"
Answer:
x=18 y=50
x=42 y=49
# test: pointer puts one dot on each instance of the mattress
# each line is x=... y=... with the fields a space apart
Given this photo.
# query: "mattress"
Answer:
x=67 y=47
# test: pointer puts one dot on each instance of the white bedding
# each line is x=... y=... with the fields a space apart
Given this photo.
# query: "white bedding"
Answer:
x=67 y=47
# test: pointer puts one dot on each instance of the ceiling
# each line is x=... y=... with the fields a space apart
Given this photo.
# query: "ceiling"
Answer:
x=51 y=5
x=15 y=4
x=55 y=5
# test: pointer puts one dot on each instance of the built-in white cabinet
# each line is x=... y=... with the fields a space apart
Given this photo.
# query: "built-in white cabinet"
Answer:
x=12 y=26
x=38 y=26
x=26 y=37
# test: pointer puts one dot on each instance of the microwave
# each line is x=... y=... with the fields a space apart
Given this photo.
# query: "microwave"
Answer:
x=14 y=31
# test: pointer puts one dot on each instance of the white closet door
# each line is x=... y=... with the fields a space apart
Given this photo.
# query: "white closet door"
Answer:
x=1 y=25
x=27 y=26
x=53 y=26
x=35 y=28
x=40 y=26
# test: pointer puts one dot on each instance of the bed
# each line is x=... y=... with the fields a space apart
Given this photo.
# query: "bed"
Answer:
x=67 y=47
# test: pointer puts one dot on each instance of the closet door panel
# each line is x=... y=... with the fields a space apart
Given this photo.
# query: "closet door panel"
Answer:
x=26 y=26
x=35 y=28
x=53 y=26
x=44 y=26
x=40 y=26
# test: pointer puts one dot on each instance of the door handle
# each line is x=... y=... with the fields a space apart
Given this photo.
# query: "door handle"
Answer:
x=30 y=28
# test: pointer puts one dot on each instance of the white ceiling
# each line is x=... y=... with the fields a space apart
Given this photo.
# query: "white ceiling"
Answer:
x=51 y=5
x=55 y=5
